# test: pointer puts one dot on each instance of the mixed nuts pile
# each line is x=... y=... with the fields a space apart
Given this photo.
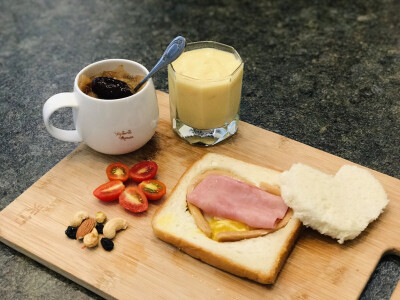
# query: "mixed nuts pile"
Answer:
x=86 y=228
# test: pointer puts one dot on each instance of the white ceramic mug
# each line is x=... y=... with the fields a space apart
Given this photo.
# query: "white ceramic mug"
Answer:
x=116 y=126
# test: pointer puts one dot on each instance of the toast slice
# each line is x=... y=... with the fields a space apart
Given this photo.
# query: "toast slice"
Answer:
x=259 y=259
x=340 y=205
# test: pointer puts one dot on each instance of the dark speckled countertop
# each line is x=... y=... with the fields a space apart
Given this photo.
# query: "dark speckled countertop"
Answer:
x=325 y=73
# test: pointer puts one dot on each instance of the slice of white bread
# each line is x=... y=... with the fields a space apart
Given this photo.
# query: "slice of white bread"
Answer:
x=340 y=206
x=259 y=259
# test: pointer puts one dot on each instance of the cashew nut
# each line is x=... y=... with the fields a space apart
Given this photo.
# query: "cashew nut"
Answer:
x=91 y=239
x=100 y=217
x=78 y=218
x=112 y=226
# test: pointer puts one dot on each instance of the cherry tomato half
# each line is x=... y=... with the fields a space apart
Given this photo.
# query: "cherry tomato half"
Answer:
x=133 y=199
x=144 y=170
x=118 y=171
x=109 y=191
x=153 y=189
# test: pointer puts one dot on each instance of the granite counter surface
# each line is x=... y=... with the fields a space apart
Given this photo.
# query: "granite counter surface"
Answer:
x=325 y=73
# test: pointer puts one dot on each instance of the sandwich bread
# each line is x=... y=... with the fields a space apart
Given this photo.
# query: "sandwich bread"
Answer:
x=259 y=258
x=340 y=206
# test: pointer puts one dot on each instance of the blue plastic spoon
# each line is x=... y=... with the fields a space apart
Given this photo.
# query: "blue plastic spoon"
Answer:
x=174 y=49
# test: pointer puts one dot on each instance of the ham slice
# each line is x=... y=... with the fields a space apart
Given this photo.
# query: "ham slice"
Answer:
x=225 y=197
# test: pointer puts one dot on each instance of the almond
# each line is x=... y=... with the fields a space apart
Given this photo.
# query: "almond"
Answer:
x=85 y=228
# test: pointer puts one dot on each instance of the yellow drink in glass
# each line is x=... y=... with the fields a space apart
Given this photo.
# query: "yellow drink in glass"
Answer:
x=205 y=85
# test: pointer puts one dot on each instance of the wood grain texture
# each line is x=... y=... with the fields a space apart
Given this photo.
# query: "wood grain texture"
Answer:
x=141 y=265
x=396 y=292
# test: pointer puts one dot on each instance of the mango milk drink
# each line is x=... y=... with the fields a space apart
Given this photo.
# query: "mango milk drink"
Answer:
x=205 y=85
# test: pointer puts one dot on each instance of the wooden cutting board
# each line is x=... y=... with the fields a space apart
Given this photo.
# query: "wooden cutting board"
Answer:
x=142 y=265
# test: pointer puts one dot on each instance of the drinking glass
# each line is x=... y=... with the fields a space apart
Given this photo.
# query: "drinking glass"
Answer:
x=205 y=108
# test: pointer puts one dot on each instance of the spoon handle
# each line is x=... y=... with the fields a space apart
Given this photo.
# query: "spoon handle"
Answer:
x=174 y=49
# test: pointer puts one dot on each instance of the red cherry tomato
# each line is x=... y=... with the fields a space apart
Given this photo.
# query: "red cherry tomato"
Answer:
x=144 y=170
x=109 y=191
x=118 y=171
x=153 y=189
x=133 y=199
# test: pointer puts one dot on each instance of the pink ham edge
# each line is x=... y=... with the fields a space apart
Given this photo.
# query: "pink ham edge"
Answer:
x=225 y=197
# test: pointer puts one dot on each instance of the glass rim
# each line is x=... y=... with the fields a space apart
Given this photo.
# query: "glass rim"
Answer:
x=234 y=52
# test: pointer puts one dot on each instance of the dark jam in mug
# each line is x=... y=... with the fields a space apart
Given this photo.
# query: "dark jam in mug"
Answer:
x=115 y=84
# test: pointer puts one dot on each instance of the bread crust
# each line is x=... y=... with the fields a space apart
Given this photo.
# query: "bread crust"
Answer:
x=227 y=265
x=222 y=261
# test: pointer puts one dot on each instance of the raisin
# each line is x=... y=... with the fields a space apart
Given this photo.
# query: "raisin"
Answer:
x=110 y=88
x=99 y=228
x=71 y=232
x=107 y=244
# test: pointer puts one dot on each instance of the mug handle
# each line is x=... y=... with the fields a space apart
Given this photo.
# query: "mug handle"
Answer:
x=51 y=105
